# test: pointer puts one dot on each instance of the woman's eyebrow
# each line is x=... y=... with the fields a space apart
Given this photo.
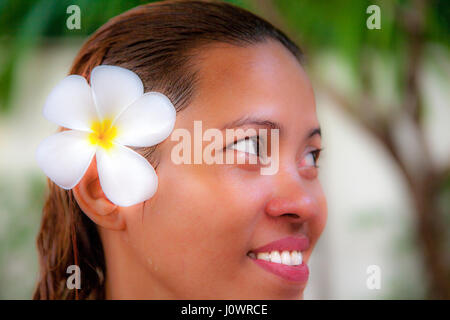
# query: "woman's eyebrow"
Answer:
x=313 y=132
x=267 y=123
x=254 y=121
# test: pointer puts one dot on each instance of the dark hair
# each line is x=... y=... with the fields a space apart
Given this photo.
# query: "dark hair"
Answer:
x=158 y=41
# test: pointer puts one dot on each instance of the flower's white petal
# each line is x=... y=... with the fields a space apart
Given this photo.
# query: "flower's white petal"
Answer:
x=70 y=104
x=65 y=157
x=114 y=88
x=148 y=121
x=126 y=177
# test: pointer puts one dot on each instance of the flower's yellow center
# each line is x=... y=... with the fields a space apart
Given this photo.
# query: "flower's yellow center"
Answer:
x=103 y=134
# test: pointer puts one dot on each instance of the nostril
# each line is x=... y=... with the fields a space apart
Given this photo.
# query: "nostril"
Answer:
x=292 y=215
x=290 y=207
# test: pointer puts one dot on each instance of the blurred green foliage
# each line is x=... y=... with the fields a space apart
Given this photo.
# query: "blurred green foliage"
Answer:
x=340 y=26
x=318 y=25
x=25 y=23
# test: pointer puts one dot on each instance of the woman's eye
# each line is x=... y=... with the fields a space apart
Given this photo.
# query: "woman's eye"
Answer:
x=248 y=145
x=310 y=160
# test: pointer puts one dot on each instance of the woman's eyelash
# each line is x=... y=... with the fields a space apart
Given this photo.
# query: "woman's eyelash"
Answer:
x=316 y=155
x=257 y=139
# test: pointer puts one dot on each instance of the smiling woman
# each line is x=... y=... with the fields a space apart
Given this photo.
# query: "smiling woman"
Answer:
x=210 y=231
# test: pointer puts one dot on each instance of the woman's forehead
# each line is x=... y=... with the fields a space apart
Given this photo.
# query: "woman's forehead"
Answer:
x=263 y=80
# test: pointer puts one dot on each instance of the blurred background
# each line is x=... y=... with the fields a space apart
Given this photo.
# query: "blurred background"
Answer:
x=383 y=103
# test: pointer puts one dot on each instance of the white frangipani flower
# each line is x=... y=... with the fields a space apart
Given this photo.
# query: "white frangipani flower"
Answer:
x=103 y=119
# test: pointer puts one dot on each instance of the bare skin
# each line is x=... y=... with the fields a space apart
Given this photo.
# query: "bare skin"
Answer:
x=191 y=239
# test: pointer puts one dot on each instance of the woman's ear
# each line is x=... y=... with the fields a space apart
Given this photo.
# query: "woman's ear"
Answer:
x=91 y=199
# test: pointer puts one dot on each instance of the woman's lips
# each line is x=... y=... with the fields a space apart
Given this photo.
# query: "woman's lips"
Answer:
x=289 y=250
x=298 y=273
x=300 y=243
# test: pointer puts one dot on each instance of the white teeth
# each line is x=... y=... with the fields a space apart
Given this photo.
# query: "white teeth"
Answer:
x=263 y=256
x=296 y=258
x=286 y=258
x=275 y=257
x=293 y=258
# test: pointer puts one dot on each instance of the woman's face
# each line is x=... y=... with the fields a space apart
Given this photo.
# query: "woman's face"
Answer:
x=193 y=238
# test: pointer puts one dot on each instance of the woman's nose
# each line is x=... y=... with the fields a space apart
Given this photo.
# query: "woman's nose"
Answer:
x=291 y=199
